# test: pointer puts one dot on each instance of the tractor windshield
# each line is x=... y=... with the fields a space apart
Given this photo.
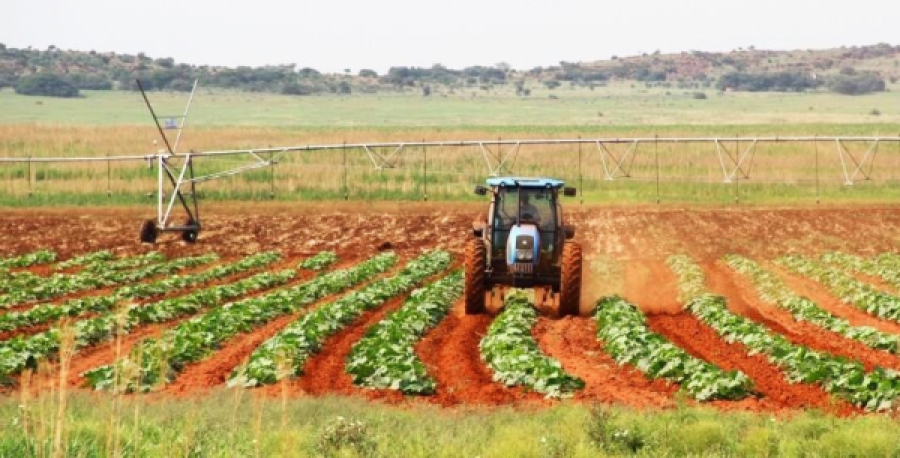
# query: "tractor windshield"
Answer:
x=537 y=208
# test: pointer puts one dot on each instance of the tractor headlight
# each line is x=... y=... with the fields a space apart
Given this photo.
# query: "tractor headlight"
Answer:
x=524 y=255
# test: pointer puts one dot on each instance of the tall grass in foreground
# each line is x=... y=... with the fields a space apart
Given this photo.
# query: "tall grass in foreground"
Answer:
x=231 y=424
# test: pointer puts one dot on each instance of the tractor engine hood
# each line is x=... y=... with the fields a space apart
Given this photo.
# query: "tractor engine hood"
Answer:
x=523 y=245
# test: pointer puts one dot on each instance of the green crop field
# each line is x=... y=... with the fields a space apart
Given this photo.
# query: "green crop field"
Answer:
x=620 y=104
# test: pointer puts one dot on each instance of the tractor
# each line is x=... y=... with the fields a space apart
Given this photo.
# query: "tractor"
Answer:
x=522 y=243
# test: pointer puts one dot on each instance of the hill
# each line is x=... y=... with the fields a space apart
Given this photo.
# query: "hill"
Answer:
x=856 y=69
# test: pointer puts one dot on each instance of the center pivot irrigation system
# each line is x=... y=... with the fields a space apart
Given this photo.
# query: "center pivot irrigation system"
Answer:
x=177 y=181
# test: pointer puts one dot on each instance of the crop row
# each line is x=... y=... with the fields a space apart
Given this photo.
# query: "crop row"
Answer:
x=60 y=284
x=28 y=259
x=28 y=280
x=876 y=390
x=145 y=259
x=623 y=330
x=21 y=352
x=772 y=290
x=95 y=258
x=846 y=287
x=286 y=353
x=885 y=265
x=385 y=357
x=157 y=362
x=320 y=261
x=511 y=352
x=44 y=313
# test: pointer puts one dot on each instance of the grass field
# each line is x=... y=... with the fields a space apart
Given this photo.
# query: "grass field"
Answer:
x=616 y=105
x=227 y=424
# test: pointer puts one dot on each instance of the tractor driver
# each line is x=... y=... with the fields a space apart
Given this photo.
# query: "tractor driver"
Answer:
x=529 y=209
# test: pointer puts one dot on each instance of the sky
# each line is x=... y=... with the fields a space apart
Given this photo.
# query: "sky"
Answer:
x=335 y=35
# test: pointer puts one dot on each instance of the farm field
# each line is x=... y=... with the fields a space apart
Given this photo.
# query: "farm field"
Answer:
x=737 y=319
x=737 y=310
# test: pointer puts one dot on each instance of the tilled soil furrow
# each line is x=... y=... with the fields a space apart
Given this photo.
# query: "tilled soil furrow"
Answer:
x=450 y=353
x=573 y=341
x=702 y=342
x=819 y=294
x=742 y=297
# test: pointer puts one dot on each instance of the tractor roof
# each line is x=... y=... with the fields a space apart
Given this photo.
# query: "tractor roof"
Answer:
x=526 y=182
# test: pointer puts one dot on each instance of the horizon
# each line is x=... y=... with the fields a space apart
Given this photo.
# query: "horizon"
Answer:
x=358 y=35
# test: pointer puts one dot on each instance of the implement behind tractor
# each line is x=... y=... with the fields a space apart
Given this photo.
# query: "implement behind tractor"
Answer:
x=523 y=243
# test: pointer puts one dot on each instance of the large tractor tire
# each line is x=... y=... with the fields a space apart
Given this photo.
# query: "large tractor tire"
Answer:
x=476 y=261
x=570 y=283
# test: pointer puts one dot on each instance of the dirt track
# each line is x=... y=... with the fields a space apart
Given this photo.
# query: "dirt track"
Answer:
x=625 y=251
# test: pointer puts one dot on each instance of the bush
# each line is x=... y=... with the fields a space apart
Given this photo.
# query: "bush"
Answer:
x=699 y=95
x=344 y=434
x=856 y=84
x=875 y=112
x=46 y=84
x=296 y=89
x=778 y=82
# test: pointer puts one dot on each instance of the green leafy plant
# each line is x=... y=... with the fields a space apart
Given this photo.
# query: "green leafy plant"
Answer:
x=76 y=307
x=95 y=258
x=160 y=360
x=511 y=352
x=61 y=284
x=320 y=261
x=876 y=390
x=773 y=290
x=385 y=358
x=21 y=352
x=847 y=288
x=623 y=330
x=28 y=259
x=297 y=342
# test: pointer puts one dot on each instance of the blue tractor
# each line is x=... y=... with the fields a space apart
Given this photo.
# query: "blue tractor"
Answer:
x=523 y=242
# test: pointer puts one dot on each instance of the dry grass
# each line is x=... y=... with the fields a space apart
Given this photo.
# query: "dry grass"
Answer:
x=451 y=171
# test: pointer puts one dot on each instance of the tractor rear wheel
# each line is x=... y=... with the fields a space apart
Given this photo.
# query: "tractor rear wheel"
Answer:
x=570 y=283
x=476 y=260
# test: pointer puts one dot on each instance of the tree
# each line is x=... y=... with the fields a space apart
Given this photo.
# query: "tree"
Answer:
x=367 y=73
x=165 y=62
x=344 y=88
x=426 y=91
x=296 y=89
x=46 y=84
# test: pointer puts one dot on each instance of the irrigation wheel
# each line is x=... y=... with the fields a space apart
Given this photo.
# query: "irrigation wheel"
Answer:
x=190 y=236
x=149 y=232
x=476 y=260
x=570 y=283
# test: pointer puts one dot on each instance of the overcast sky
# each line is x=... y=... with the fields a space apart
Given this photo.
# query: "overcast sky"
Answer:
x=377 y=34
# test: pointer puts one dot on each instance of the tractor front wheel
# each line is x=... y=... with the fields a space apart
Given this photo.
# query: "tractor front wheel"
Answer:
x=570 y=283
x=476 y=261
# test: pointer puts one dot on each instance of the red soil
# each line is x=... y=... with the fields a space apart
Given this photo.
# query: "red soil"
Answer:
x=625 y=249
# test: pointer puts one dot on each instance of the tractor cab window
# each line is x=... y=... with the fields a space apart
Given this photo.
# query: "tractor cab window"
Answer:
x=537 y=208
